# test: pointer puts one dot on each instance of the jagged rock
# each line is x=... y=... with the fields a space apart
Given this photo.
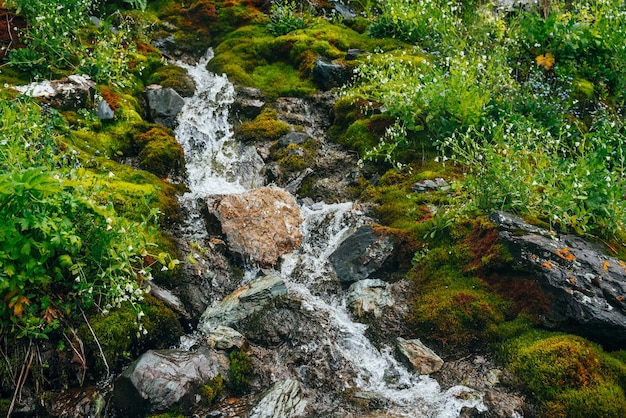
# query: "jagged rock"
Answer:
x=104 y=111
x=69 y=93
x=223 y=338
x=344 y=10
x=163 y=105
x=429 y=185
x=242 y=303
x=361 y=254
x=260 y=225
x=248 y=103
x=328 y=74
x=161 y=379
x=284 y=399
x=369 y=296
x=587 y=286
x=423 y=359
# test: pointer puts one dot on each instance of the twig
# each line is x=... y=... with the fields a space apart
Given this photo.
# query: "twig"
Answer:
x=95 y=338
x=22 y=378
x=80 y=356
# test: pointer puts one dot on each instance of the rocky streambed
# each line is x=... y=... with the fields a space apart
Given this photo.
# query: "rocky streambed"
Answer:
x=294 y=306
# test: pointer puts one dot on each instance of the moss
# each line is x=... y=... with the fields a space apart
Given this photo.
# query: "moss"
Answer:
x=240 y=370
x=265 y=127
x=296 y=157
x=160 y=153
x=174 y=77
x=119 y=336
x=213 y=389
x=568 y=375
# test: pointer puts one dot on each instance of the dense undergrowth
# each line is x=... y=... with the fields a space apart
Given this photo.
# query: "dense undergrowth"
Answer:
x=520 y=108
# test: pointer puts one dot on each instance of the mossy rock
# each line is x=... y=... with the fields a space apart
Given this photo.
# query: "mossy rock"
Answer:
x=174 y=77
x=568 y=375
x=160 y=153
x=265 y=127
x=297 y=157
x=240 y=372
x=119 y=336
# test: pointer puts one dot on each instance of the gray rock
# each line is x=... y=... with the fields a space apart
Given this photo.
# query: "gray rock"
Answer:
x=344 y=10
x=171 y=300
x=361 y=254
x=248 y=103
x=104 y=111
x=369 y=296
x=423 y=359
x=429 y=185
x=587 y=286
x=161 y=379
x=223 y=338
x=242 y=303
x=284 y=399
x=296 y=138
x=70 y=93
x=328 y=74
x=353 y=53
x=163 y=105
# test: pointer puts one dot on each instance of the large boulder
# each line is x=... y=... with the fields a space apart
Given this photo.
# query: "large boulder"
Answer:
x=362 y=253
x=260 y=225
x=284 y=399
x=587 y=286
x=69 y=93
x=161 y=379
x=242 y=303
x=163 y=105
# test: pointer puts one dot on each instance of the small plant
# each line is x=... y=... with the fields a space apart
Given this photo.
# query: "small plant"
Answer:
x=285 y=18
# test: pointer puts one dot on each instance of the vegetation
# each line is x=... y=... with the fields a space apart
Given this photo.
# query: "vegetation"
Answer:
x=520 y=109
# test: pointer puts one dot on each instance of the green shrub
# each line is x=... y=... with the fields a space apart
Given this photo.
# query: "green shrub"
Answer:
x=284 y=18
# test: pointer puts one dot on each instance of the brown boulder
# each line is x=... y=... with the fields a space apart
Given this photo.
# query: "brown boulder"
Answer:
x=261 y=224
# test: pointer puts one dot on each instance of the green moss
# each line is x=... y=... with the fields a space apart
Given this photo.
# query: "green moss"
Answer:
x=174 y=77
x=120 y=338
x=568 y=375
x=212 y=390
x=160 y=153
x=280 y=79
x=240 y=370
x=296 y=157
x=265 y=127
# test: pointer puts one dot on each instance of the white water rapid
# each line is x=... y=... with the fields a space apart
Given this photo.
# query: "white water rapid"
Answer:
x=217 y=165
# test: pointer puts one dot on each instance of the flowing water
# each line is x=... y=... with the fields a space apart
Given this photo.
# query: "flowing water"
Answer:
x=217 y=164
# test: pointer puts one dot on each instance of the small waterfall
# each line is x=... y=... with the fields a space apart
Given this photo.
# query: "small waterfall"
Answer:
x=217 y=165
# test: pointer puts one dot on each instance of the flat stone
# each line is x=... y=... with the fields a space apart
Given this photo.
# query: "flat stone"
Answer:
x=423 y=359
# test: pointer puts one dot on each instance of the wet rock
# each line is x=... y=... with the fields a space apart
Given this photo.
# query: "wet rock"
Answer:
x=104 y=111
x=161 y=379
x=314 y=114
x=344 y=10
x=361 y=254
x=163 y=105
x=587 y=286
x=430 y=185
x=70 y=93
x=248 y=103
x=423 y=359
x=260 y=225
x=328 y=75
x=223 y=338
x=369 y=296
x=370 y=400
x=284 y=399
x=242 y=303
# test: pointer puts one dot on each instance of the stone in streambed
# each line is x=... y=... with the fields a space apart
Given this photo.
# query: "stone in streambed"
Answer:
x=369 y=297
x=260 y=225
x=160 y=379
x=423 y=359
x=284 y=399
x=242 y=303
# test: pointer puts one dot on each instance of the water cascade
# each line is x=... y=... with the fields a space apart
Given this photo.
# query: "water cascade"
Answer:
x=217 y=164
